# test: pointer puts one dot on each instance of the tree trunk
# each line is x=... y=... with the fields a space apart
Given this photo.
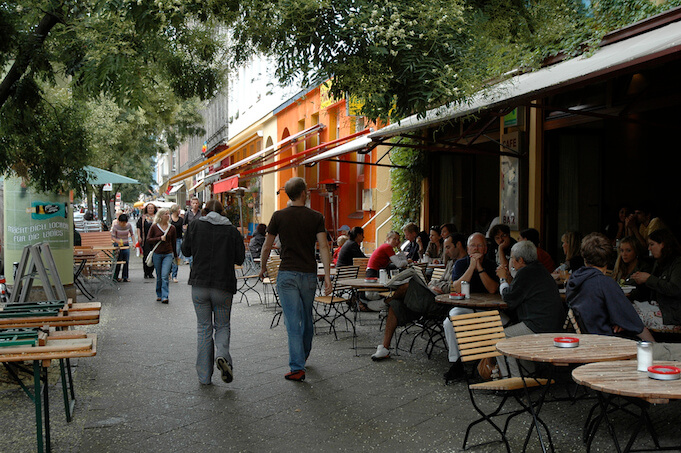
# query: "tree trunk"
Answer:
x=100 y=204
x=26 y=53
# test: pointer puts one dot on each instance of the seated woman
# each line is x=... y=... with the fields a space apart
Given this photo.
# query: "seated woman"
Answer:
x=631 y=259
x=342 y=239
x=570 y=241
x=351 y=248
x=435 y=250
x=501 y=235
x=663 y=312
x=596 y=299
x=380 y=259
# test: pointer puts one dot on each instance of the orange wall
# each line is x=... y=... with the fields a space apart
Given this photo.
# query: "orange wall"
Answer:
x=304 y=113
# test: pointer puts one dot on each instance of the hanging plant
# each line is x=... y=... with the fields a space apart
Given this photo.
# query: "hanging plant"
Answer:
x=406 y=185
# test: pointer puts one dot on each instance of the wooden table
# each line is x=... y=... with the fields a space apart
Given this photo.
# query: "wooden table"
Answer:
x=74 y=314
x=58 y=345
x=621 y=378
x=540 y=348
x=477 y=300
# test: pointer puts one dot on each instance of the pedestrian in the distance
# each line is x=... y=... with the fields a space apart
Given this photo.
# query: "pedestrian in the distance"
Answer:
x=192 y=214
x=144 y=224
x=299 y=228
x=121 y=232
x=163 y=234
x=215 y=246
x=177 y=221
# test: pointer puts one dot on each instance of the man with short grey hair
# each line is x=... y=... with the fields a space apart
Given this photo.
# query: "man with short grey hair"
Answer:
x=534 y=304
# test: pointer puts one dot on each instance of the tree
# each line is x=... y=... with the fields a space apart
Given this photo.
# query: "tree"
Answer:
x=403 y=58
x=128 y=50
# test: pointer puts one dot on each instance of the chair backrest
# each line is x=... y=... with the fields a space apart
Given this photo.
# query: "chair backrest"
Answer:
x=477 y=334
x=273 y=270
x=362 y=264
x=438 y=273
x=342 y=273
x=422 y=267
x=249 y=267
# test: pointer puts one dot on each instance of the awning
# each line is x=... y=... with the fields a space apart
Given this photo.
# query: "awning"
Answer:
x=175 y=188
x=197 y=187
x=277 y=147
x=191 y=171
x=97 y=176
x=296 y=159
x=604 y=63
x=226 y=184
x=354 y=145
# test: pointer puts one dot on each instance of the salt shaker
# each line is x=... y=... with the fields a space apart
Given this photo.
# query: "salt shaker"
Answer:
x=383 y=276
x=644 y=355
x=466 y=289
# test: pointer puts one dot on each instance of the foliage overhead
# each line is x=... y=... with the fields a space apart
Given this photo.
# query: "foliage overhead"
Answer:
x=403 y=58
x=147 y=56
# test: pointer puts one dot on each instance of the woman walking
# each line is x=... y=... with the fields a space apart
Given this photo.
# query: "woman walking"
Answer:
x=144 y=224
x=163 y=234
x=176 y=220
x=215 y=246
x=121 y=230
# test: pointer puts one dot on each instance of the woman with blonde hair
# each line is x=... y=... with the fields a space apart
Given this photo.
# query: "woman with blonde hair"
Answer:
x=162 y=235
x=571 y=242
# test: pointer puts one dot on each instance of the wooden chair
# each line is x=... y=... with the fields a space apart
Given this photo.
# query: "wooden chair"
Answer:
x=477 y=335
x=362 y=264
x=337 y=305
x=272 y=272
x=438 y=273
x=571 y=324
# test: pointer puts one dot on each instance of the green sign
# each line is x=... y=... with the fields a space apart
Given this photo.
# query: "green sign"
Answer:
x=511 y=119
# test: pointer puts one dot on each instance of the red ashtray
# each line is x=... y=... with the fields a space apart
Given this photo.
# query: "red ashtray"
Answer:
x=371 y=279
x=566 y=342
x=457 y=296
x=664 y=372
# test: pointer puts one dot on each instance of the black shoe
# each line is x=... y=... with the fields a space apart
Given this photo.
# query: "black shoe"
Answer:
x=456 y=372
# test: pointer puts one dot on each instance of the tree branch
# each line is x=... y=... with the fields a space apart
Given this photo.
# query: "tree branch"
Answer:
x=25 y=55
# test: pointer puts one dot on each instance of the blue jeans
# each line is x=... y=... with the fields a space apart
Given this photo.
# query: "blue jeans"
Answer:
x=162 y=262
x=123 y=255
x=213 y=309
x=296 y=293
x=173 y=268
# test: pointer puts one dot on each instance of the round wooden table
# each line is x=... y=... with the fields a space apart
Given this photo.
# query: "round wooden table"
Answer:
x=477 y=300
x=592 y=348
x=621 y=378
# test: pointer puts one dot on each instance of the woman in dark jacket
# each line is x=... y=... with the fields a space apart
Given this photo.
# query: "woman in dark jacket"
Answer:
x=663 y=312
x=351 y=248
x=216 y=246
x=144 y=224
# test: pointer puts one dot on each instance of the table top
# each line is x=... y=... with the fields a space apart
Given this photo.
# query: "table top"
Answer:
x=477 y=300
x=360 y=283
x=83 y=345
x=592 y=348
x=437 y=265
x=622 y=378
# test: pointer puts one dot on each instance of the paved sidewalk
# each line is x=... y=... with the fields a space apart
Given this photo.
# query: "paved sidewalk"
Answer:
x=141 y=393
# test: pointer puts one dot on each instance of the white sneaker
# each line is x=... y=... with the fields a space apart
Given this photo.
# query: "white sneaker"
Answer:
x=381 y=353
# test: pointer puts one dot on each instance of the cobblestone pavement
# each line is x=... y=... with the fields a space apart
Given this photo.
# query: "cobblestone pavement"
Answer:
x=141 y=394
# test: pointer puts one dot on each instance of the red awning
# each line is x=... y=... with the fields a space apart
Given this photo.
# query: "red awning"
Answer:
x=226 y=184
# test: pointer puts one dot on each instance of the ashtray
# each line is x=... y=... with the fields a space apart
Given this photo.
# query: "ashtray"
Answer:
x=566 y=342
x=664 y=372
x=457 y=296
x=371 y=279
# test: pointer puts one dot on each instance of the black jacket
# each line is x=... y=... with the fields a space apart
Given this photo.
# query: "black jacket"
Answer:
x=216 y=246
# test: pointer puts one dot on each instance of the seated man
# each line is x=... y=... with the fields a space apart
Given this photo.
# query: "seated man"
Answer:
x=411 y=231
x=479 y=271
x=597 y=300
x=534 y=304
x=544 y=258
x=501 y=235
x=380 y=259
x=413 y=300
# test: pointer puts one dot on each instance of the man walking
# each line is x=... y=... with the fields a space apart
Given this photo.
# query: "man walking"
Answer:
x=298 y=227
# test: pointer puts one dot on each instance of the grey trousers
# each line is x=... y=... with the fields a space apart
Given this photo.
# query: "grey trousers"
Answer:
x=213 y=309
x=516 y=330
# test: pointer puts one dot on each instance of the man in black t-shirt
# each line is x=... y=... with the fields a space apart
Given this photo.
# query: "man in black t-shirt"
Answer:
x=299 y=228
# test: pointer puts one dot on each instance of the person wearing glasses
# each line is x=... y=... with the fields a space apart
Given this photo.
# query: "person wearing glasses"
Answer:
x=480 y=272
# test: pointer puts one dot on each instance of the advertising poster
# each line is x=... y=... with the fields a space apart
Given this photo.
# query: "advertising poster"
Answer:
x=31 y=218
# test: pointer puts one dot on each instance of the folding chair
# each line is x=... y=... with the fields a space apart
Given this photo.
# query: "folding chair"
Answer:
x=248 y=278
x=362 y=264
x=477 y=335
x=438 y=273
x=337 y=305
x=267 y=281
x=272 y=272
